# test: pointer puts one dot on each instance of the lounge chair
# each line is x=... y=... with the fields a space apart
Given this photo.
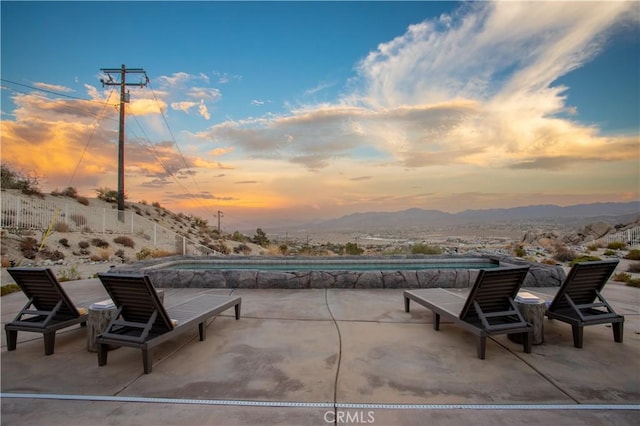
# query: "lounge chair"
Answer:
x=575 y=302
x=488 y=310
x=143 y=322
x=48 y=310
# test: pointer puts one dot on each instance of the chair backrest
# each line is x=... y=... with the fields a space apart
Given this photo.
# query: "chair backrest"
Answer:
x=138 y=299
x=41 y=286
x=492 y=291
x=582 y=282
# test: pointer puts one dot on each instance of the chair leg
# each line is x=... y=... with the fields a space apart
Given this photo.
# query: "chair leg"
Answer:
x=12 y=339
x=436 y=321
x=577 y=335
x=527 y=342
x=102 y=354
x=146 y=361
x=482 y=346
x=406 y=304
x=202 y=330
x=237 y=308
x=49 y=342
x=618 y=328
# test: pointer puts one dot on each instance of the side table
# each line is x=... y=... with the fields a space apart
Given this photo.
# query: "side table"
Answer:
x=533 y=313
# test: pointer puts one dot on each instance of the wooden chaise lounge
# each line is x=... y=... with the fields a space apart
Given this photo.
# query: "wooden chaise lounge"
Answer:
x=488 y=310
x=143 y=322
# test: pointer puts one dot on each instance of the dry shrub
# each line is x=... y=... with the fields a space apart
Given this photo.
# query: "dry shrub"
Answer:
x=105 y=254
x=29 y=247
x=83 y=244
x=621 y=277
x=563 y=253
x=83 y=200
x=5 y=262
x=125 y=241
x=61 y=227
x=99 y=242
x=634 y=267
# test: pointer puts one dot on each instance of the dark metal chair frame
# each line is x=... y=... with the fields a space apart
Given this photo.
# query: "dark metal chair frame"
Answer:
x=579 y=301
x=488 y=310
x=143 y=322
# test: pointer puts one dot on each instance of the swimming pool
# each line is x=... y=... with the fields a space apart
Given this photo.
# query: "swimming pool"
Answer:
x=328 y=272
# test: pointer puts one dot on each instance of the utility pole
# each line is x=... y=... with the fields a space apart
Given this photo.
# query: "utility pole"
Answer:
x=219 y=215
x=124 y=98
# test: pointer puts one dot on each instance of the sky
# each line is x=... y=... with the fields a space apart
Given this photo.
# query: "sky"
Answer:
x=291 y=112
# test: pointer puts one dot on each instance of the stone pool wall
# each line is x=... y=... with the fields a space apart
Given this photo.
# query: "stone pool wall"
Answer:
x=539 y=275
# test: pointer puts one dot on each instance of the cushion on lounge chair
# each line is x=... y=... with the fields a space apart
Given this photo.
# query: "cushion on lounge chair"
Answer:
x=489 y=309
x=49 y=307
x=579 y=301
x=143 y=322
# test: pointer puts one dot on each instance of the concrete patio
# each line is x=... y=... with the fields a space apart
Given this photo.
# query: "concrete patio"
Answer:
x=317 y=357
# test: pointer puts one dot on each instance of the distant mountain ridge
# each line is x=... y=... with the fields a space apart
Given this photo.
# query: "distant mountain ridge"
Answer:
x=416 y=217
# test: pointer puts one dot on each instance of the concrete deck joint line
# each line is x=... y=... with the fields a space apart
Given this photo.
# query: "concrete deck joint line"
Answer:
x=106 y=398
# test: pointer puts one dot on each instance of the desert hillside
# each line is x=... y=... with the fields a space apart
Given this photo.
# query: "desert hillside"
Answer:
x=75 y=252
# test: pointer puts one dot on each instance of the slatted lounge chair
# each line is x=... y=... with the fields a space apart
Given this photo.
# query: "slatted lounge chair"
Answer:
x=488 y=310
x=143 y=322
x=575 y=302
x=48 y=310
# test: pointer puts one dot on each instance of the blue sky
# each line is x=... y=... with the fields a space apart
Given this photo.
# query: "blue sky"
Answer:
x=295 y=111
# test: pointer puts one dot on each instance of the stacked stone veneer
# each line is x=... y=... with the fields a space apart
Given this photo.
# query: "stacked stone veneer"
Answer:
x=540 y=275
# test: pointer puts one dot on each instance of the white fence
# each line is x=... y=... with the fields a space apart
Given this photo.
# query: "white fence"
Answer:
x=33 y=213
x=631 y=237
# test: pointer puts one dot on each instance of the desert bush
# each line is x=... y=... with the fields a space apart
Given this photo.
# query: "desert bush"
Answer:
x=10 y=179
x=353 y=249
x=83 y=244
x=46 y=253
x=5 y=262
x=125 y=241
x=64 y=242
x=634 y=267
x=61 y=227
x=8 y=289
x=156 y=205
x=83 y=200
x=260 y=238
x=220 y=246
x=99 y=242
x=29 y=247
x=520 y=251
x=548 y=261
x=633 y=254
x=563 y=253
x=634 y=282
x=609 y=252
x=68 y=274
x=621 y=277
x=146 y=253
x=237 y=236
x=94 y=257
x=104 y=254
x=242 y=249
x=120 y=253
x=585 y=258
x=617 y=245
x=69 y=191
x=425 y=249
x=593 y=247
x=108 y=195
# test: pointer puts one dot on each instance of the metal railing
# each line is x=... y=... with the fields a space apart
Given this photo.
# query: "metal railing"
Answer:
x=32 y=213
x=631 y=237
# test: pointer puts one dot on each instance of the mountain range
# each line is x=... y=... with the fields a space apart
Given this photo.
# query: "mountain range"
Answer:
x=579 y=214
